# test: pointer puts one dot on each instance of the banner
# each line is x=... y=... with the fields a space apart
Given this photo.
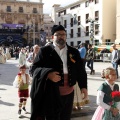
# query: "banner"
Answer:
x=11 y=38
x=12 y=25
x=42 y=38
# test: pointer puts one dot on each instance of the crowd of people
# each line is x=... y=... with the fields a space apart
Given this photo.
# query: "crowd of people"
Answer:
x=58 y=78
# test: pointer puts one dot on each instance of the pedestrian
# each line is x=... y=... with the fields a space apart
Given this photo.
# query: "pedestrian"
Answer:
x=90 y=55
x=82 y=51
x=22 y=81
x=11 y=51
x=7 y=53
x=115 y=57
x=105 y=110
x=2 y=56
x=79 y=100
x=22 y=57
x=16 y=53
x=33 y=54
x=55 y=71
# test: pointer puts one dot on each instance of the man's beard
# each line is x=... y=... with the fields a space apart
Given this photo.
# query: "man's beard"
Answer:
x=60 y=42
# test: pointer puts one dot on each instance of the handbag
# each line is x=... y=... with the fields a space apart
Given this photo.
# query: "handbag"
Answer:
x=118 y=61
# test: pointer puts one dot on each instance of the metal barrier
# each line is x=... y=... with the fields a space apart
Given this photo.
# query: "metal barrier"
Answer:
x=104 y=57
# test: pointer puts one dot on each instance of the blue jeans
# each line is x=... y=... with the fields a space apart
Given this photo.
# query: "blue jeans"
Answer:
x=90 y=64
x=115 y=66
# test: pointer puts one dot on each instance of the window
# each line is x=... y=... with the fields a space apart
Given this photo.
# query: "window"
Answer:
x=96 y=42
x=71 y=34
x=71 y=22
x=8 y=8
x=87 y=18
x=79 y=32
x=59 y=23
x=65 y=23
x=87 y=30
x=36 y=27
x=59 y=14
x=79 y=20
x=96 y=29
x=74 y=7
x=20 y=9
x=71 y=43
x=86 y=3
x=96 y=15
x=62 y=13
x=34 y=10
x=78 y=42
x=108 y=42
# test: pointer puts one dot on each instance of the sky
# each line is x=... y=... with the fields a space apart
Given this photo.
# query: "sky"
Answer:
x=49 y=3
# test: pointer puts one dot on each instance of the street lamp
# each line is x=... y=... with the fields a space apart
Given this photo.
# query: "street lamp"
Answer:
x=34 y=31
x=91 y=30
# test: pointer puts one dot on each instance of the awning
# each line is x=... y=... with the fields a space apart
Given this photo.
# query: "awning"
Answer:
x=99 y=48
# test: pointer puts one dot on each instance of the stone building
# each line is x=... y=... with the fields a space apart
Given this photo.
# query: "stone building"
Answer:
x=48 y=24
x=28 y=14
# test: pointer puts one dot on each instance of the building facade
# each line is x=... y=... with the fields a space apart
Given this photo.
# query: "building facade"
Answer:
x=89 y=21
x=118 y=23
x=26 y=13
x=47 y=26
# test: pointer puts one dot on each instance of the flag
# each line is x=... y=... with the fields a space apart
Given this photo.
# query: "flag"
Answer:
x=75 y=19
x=42 y=38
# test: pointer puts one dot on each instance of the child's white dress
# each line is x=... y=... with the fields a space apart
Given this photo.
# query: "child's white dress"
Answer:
x=78 y=98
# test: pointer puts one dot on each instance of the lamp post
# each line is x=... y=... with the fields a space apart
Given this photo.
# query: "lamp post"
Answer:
x=33 y=31
x=91 y=30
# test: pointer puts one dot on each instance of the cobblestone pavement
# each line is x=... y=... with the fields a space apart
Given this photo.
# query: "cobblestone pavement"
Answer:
x=9 y=98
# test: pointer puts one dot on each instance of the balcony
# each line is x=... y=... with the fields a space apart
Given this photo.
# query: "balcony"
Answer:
x=21 y=10
x=87 y=33
x=35 y=11
x=71 y=24
x=96 y=31
x=78 y=34
x=79 y=22
x=8 y=10
x=71 y=35
x=96 y=18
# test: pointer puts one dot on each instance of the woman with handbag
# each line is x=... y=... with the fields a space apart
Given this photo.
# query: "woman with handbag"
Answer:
x=90 y=55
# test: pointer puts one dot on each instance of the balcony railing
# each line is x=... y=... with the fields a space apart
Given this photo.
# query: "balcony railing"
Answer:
x=8 y=10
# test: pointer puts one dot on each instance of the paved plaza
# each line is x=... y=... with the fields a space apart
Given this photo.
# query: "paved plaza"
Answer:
x=9 y=98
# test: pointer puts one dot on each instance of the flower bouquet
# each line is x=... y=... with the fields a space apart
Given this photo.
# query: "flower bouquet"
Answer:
x=20 y=81
x=116 y=98
x=115 y=95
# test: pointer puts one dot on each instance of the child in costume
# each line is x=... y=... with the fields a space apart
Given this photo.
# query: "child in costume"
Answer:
x=22 y=81
x=105 y=110
x=79 y=100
